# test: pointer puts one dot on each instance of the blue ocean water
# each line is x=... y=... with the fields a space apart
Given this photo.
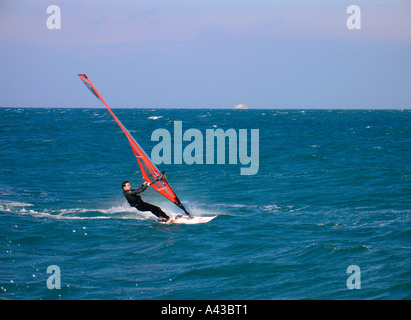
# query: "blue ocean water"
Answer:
x=333 y=190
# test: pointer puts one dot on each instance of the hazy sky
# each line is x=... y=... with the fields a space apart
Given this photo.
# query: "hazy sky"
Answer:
x=206 y=54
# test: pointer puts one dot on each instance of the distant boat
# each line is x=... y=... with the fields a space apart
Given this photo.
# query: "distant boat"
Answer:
x=241 y=106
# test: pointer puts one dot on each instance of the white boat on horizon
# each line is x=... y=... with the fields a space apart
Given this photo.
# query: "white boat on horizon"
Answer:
x=241 y=106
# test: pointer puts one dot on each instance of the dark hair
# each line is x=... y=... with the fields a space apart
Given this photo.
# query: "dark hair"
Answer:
x=124 y=183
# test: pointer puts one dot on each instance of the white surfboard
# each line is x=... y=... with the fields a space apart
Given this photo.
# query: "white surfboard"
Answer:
x=188 y=220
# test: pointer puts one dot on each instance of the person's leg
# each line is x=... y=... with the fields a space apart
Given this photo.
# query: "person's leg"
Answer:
x=144 y=206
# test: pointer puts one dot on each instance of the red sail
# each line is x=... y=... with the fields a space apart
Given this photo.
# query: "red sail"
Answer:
x=148 y=168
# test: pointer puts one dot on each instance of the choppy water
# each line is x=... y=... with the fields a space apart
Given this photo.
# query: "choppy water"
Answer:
x=333 y=190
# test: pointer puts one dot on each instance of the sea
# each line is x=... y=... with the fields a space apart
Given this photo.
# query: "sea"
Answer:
x=325 y=214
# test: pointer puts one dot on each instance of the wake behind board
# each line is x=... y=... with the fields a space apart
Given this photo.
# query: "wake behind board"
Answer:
x=178 y=219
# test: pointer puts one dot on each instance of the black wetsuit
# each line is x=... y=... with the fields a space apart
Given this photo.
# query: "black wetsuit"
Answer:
x=134 y=199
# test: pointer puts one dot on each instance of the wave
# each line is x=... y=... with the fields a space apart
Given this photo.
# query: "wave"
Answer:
x=115 y=212
x=8 y=205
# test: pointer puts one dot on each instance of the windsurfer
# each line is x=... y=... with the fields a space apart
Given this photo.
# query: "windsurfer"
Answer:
x=134 y=199
x=148 y=169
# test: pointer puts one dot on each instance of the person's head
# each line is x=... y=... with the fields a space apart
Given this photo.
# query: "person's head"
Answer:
x=126 y=186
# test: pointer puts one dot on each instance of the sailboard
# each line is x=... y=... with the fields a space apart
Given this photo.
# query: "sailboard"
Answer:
x=179 y=219
x=149 y=170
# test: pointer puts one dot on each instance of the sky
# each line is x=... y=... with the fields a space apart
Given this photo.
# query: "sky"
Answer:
x=207 y=54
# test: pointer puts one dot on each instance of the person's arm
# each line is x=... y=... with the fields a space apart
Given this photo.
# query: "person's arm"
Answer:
x=141 y=188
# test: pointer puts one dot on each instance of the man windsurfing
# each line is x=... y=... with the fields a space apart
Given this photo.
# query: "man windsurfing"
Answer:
x=134 y=199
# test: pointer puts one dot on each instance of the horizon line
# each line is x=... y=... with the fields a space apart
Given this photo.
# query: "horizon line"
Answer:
x=213 y=108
